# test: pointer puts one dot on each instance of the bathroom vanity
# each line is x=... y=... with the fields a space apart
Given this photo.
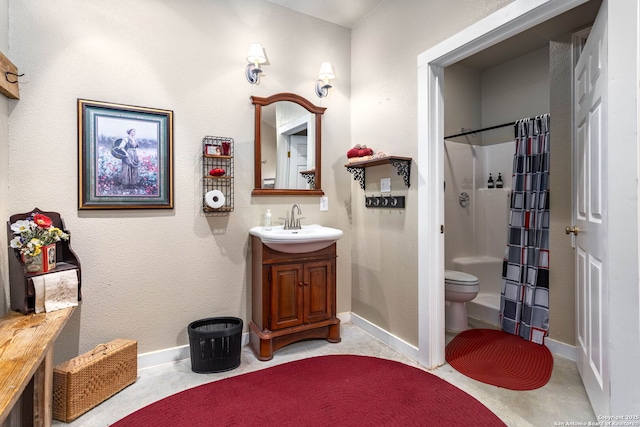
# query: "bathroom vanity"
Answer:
x=293 y=297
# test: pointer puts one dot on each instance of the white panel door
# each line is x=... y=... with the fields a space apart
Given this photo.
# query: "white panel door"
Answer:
x=590 y=214
x=297 y=162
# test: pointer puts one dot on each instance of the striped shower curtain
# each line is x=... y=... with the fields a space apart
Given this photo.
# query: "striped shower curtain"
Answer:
x=524 y=301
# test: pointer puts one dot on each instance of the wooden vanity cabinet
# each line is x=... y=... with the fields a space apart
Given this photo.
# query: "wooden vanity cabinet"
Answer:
x=294 y=298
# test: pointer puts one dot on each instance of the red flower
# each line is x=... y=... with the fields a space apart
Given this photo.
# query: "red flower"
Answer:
x=43 y=221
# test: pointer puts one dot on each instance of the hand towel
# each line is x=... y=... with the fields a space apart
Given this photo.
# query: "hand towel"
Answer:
x=358 y=159
x=353 y=152
x=38 y=287
x=60 y=290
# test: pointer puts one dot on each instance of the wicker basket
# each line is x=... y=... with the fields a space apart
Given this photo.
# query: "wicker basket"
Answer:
x=91 y=378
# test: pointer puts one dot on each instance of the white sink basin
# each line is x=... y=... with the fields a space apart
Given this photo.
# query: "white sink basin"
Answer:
x=309 y=238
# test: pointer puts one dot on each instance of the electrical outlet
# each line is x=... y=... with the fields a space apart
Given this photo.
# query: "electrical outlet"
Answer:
x=324 y=204
x=385 y=185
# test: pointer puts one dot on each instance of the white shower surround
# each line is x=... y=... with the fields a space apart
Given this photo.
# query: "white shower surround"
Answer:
x=477 y=234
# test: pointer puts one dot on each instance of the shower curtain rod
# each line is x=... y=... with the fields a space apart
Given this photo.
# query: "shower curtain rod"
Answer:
x=480 y=130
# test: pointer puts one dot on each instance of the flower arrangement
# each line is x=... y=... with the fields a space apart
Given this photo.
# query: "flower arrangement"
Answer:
x=33 y=233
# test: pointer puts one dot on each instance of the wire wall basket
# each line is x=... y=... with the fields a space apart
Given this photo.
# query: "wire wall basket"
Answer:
x=217 y=170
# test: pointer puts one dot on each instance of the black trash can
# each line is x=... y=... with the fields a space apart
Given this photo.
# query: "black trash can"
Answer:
x=215 y=344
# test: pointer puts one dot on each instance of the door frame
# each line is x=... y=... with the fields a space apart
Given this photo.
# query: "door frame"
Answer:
x=623 y=203
x=501 y=25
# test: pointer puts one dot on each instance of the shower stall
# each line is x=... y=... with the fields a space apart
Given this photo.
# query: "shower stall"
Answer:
x=477 y=218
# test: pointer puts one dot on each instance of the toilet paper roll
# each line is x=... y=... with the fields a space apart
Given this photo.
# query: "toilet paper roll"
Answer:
x=215 y=199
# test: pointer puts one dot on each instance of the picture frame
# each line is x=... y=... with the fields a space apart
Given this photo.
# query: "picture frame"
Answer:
x=125 y=156
x=217 y=148
x=213 y=150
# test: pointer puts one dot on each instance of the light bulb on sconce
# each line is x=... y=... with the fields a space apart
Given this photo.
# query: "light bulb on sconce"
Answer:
x=322 y=84
x=255 y=58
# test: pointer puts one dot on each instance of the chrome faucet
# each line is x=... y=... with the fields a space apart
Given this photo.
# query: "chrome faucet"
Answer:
x=291 y=223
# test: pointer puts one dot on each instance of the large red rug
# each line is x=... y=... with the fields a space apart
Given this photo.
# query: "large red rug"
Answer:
x=501 y=359
x=341 y=390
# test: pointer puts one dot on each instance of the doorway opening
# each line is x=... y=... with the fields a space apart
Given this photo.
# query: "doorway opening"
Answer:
x=495 y=33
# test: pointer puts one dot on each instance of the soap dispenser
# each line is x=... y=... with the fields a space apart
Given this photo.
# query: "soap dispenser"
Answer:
x=490 y=183
x=499 y=181
x=267 y=220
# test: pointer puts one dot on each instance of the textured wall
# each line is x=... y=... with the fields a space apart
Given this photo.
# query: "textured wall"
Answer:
x=463 y=103
x=148 y=273
x=513 y=90
x=4 y=161
x=385 y=47
x=562 y=261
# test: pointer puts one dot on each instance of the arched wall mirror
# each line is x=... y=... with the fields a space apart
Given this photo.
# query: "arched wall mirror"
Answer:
x=288 y=142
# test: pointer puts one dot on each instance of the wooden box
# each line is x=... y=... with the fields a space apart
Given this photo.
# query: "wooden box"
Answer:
x=85 y=381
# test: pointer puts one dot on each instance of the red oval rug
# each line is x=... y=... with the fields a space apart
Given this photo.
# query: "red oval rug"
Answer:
x=340 y=390
x=501 y=359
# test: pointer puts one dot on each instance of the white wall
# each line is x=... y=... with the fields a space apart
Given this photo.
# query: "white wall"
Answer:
x=4 y=160
x=148 y=273
x=516 y=89
x=463 y=106
x=561 y=263
x=622 y=241
x=191 y=59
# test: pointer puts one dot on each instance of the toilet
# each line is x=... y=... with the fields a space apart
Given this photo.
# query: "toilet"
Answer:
x=459 y=288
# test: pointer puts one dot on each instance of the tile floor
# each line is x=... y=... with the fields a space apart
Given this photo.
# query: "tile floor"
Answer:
x=562 y=399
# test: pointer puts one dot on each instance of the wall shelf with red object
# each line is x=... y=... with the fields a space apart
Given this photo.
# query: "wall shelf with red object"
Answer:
x=217 y=171
x=402 y=165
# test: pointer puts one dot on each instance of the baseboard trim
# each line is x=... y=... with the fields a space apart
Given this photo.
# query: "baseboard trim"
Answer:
x=175 y=354
x=171 y=355
x=561 y=349
x=391 y=340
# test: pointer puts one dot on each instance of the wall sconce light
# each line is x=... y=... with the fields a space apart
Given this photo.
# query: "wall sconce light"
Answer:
x=255 y=58
x=322 y=85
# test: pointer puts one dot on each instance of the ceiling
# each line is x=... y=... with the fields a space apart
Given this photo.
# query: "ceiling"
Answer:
x=346 y=13
x=535 y=38
x=350 y=13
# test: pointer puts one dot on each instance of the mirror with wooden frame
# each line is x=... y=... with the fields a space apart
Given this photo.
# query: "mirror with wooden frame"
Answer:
x=288 y=142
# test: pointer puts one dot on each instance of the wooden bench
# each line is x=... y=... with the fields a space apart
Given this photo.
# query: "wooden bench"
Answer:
x=26 y=366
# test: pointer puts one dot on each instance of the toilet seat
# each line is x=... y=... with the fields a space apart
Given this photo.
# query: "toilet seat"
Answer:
x=457 y=281
x=460 y=278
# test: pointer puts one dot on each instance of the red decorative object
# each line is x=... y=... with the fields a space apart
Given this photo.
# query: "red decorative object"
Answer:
x=353 y=152
x=43 y=262
x=217 y=172
x=358 y=151
x=43 y=221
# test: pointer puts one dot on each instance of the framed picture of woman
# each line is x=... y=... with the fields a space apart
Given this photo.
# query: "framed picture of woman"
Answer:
x=125 y=156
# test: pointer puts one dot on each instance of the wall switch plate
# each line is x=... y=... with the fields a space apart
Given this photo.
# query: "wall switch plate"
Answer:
x=385 y=185
x=324 y=203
